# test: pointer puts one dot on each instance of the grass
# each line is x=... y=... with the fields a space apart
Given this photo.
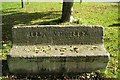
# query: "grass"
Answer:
x=105 y=14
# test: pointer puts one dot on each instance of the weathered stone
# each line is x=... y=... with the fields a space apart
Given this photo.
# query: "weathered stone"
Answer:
x=52 y=35
x=57 y=49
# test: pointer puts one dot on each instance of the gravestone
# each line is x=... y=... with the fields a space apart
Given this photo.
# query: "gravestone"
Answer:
x=57 y=49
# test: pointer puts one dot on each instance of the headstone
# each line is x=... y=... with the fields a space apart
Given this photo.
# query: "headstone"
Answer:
x=57 y=49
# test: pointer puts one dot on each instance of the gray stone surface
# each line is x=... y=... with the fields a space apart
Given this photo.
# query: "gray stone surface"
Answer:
x=53 y=35
x=57 y=49
x=55 y=64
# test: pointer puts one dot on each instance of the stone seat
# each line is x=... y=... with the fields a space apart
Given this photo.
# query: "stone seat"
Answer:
x=83 y=52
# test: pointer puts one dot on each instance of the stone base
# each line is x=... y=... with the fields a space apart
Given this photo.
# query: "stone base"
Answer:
x=57 y=59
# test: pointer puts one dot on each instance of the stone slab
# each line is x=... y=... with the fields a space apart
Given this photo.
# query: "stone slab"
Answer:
x=57 y=49
x=57 y=35
x=36 y=65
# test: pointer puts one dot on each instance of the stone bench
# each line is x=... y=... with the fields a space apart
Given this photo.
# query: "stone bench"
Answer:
x=57 y=49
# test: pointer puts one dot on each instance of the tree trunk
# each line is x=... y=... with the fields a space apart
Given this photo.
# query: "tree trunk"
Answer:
x=67 y=11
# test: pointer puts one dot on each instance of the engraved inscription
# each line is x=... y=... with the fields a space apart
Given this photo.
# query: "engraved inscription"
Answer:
x=36 y=34
x=59 y=34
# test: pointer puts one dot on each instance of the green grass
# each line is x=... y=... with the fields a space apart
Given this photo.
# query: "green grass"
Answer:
x=105 y=14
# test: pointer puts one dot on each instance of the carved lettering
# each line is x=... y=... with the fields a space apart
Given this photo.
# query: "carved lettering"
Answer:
x=59 y=34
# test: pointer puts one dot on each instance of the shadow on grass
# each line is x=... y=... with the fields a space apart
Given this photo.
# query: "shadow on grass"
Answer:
x=5 y=69
x=51 y=22
x=114 y=25
x=12 y=18
x=25 y=18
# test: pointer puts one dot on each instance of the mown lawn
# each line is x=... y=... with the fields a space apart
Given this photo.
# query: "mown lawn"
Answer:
x=36 y=13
